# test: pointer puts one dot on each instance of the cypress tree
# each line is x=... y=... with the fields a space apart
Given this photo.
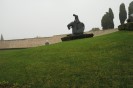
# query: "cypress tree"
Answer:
x=111 y=16
x=104 y=21
x=130 y=12
x=122 y=13
x=107 y=20
x=111 y=13
x=2 y=37
x=130 y=9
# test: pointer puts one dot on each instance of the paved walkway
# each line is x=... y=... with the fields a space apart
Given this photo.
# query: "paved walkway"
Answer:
x=102 y=32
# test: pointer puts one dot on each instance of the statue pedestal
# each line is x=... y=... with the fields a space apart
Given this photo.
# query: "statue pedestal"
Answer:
x=74 y=37
x=127 y=26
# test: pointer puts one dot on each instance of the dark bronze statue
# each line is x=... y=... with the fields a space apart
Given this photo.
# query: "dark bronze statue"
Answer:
x=77 y=30
x=77 y=26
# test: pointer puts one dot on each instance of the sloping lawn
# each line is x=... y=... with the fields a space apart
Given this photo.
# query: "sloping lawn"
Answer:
x=100 y=62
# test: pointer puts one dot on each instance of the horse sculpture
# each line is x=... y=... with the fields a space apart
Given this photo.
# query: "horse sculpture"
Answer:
x=77 y=26
x=77 y=30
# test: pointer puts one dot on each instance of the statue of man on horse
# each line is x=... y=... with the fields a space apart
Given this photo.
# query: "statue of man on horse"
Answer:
x=77 y=26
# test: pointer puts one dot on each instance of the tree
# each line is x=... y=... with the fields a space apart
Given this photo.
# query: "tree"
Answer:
x=130 y=12
x=111 y=16
x=107 y=20
x=130 y=9
x=2 y=37
x=122 y=13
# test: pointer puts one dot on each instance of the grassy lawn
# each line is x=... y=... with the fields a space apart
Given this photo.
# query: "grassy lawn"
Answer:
x=100 y=62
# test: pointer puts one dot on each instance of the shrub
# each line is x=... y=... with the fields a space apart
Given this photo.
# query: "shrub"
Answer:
x=127 y=26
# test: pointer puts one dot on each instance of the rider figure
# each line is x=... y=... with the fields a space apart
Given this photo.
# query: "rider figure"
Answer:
x=76 y=18
x=76 y=21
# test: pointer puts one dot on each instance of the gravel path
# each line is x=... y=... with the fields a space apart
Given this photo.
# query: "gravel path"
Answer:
x=102 y=32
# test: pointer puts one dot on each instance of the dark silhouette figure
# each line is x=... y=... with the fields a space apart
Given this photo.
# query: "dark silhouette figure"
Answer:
x=77 y=26
x=77 y=30
x=76 y=18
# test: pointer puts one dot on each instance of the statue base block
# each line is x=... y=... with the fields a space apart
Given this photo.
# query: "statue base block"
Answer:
x=74 y=37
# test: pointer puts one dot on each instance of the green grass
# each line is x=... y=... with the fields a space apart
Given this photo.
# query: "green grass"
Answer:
x=100 y=62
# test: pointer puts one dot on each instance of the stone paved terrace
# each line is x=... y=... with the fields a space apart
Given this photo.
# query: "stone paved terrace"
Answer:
x=102 y=32
x=34 y=42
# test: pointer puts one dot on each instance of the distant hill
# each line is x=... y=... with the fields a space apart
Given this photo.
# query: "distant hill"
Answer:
x=101 y=62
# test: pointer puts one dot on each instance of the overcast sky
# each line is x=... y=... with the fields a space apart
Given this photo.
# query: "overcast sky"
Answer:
x=31 y=18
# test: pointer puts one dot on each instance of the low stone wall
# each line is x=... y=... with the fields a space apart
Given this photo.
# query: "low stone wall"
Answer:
x=34 y=42
x=27 y=43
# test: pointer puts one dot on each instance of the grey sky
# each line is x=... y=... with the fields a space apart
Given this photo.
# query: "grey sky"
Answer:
x=31 y=18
